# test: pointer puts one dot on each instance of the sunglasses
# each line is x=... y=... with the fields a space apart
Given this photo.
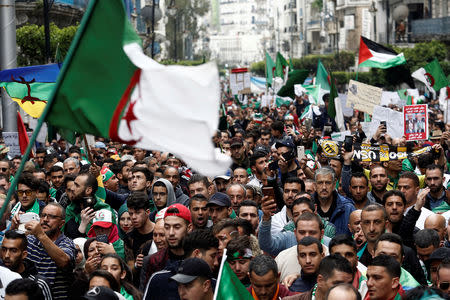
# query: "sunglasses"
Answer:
x=27 y=192
x=444 y=285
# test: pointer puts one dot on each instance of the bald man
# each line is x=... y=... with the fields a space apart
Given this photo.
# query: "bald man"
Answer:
x=437 y=223
x=354 y=224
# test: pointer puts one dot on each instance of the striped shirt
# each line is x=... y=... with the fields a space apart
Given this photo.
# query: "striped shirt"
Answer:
x=59 y=279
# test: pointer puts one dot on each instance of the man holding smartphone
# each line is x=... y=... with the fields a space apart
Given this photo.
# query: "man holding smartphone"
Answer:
x=287 y=162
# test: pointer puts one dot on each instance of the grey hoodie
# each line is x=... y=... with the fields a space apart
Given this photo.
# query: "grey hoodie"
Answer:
x=170 y=193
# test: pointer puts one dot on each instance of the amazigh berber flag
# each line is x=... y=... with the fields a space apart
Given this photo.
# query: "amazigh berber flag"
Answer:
x=108 y=87
x=375 y=55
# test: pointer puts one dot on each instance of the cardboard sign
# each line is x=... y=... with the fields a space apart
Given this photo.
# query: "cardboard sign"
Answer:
x=415 y=122
x=362 y=96
x=240 y=82
x=11 y=140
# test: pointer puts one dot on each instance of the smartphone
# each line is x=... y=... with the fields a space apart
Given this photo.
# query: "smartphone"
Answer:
x=288 y=155
x=268 y=191
x=348 y=143
x=102 y=238
x=273 y=166
x=88 y=202
x=301 y=152
x=25 y=218
x=383 y=123
x=327 y=128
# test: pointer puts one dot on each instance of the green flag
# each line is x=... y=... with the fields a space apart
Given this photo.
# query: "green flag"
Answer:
x=281 y=65
x=432 y=75
x=333 y=94
x=285 y=100
x=322 y=77
x=270 y=69
x=80 y=105
x=229 y=287
x=291 y=65
x=314 y=91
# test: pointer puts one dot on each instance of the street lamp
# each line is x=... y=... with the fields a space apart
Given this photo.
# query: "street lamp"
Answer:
x=151 y=14
x=373 y=11
x=172 y=11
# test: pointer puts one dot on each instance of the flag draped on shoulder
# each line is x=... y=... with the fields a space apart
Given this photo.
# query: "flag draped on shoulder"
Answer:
x=108 y=87
x=374 y=55
x=432 y=76
x=228 y=286
x=30 y=87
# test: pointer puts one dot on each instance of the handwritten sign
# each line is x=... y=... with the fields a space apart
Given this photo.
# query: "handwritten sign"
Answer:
x=362 y=96
x=11 y=140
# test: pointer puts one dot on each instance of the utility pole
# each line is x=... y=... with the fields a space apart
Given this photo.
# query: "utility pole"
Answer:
x=8 y=60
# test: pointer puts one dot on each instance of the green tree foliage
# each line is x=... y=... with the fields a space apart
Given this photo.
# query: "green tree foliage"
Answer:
x=423 y=53
x=185 y=22
x=332 y=62
x=31 y=43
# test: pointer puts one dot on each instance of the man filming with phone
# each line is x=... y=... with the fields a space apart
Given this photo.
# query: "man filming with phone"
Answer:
x=287 y=162
x=81 y=211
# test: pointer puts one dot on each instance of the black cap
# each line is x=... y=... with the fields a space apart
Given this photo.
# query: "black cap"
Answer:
x=439 y=254
x=285 y=143
x=261 y=149
x=220 y=199
x=236 y=141
x=100 y=292
x=192 y=268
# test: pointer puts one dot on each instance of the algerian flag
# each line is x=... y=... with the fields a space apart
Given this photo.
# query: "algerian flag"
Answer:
x=314 y=92
x=281 y=66
x=228 y=286
x=432 y=76
x=283 y=100
x=270 y=69
x=307 y=113
x=375 y=55
x=108 y=87
x=411 y=96
x=322 y=77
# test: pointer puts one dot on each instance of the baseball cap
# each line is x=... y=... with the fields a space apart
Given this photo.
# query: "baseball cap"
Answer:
x=192 y=268
x=236 y=141
x=261 y=149
x=100 y=145
x=219 y=199
x=224 y=177
x=183 y=212
x=285 y=143
x=439 y=254
x=100 y=292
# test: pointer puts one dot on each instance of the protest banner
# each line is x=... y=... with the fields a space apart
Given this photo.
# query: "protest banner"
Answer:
x=240 y=82
x=394 y=122
x=415 y=119
x=362 y=96
x=11 y=140
x=370 y=152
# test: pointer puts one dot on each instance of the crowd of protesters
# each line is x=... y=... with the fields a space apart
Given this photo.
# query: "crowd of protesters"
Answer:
x=140 y=224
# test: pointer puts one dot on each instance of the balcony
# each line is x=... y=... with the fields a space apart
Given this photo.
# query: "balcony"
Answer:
x=428 y=29
x=290 y=6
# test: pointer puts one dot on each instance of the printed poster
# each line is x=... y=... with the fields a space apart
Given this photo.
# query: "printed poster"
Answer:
x=415 y=122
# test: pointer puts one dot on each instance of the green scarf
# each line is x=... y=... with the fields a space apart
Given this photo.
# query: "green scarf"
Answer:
x=125 y=294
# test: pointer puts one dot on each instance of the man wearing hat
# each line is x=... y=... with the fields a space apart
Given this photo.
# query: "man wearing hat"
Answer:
x=433 y=262
x=219 y=207
x=221 y=182
x=238 y=154
x=287 y=161
x=177 y=224
x=194 y=279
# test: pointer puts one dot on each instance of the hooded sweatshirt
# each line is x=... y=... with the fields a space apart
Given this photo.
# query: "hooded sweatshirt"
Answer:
x=171 y=199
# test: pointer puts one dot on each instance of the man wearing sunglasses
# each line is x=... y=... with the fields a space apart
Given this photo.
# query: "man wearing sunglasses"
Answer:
x=5 y=168
x=27 y=188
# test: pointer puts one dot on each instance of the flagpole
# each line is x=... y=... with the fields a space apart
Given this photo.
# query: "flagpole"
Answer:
x=265 y=72
x=224 y=258
x=357 y=70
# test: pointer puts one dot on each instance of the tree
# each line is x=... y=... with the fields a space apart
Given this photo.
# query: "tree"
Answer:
x=184 y=23
x=31 y=43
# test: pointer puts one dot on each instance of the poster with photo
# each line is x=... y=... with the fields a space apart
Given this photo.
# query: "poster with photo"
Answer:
x=416 y=122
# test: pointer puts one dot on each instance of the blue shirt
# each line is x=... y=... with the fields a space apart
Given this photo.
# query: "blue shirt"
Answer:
x=59 y=279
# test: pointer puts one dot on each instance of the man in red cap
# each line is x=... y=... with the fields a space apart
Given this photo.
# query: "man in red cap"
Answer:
x=177 y=224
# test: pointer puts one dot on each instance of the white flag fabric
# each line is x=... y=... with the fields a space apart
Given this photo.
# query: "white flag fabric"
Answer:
x=175 y=109
x=420 y=75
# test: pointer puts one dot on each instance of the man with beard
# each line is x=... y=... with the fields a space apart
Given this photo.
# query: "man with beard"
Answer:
x=51 y=251
x=238 y=154
x=199 y=184
x=122 y=175
x=434 y=177
x=292 y=187
x=177 y=224
x=81 y=211
x=379 y=181
x=172 y=175
x=14 y=253
x=258 y=165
